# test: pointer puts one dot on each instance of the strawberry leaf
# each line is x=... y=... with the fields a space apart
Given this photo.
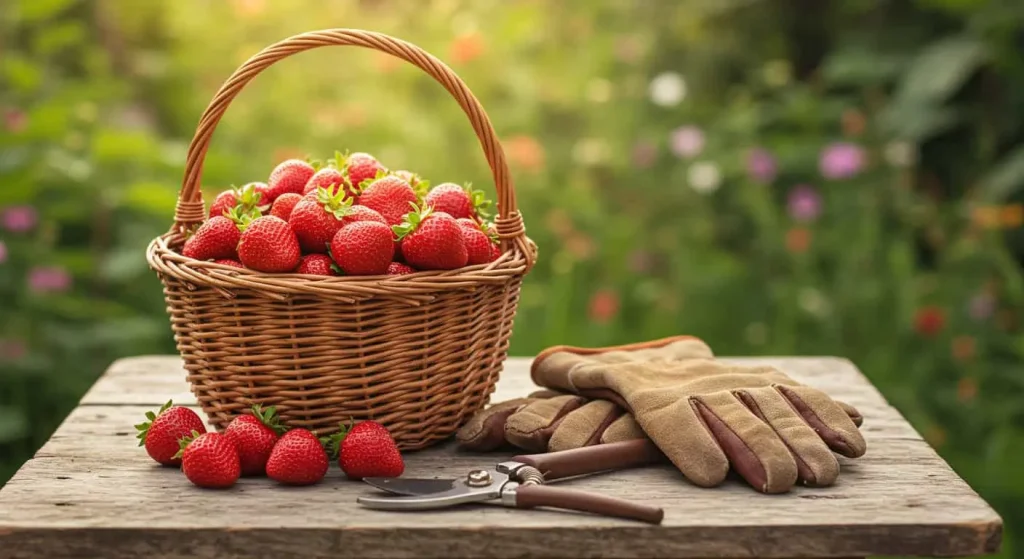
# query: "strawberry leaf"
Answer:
x=332 y=443
x=143 y=427
x=184 y=442
x=412 y=220
x=269 y=418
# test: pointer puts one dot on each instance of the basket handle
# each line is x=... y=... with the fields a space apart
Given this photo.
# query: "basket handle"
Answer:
x=191 y=208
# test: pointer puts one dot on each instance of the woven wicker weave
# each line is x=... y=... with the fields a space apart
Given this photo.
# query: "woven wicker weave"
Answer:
x=418 y=353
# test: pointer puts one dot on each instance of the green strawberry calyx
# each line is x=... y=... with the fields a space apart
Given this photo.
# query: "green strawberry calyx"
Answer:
x=269 y=417
x=243 y=217
x=361 y=187
x=481 y=204
x=337 y=204
x=143 y=427
x=412 y=220
x=332 y=442
x=489 y=230
x=184 y=442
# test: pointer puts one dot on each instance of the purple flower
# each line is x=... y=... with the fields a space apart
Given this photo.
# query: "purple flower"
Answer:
x=644 y=154
x=43 y=279
x=761 y=165
x=687 y=141
x=804 y=203
x=19 y=219
x=3 y=252
x=841 y=160
x=981 y=306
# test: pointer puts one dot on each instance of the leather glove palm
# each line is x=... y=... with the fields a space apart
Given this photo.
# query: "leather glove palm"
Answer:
x=705 y=414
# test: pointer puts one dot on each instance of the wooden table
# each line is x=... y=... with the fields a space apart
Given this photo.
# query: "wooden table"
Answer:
x=91 y=492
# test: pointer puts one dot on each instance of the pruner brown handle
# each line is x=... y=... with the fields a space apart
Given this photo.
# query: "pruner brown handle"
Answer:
x=593 y=459
x=530 y=496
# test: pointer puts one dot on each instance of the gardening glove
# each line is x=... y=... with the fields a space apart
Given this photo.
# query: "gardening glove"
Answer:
x=548 y=421
x=705 y=414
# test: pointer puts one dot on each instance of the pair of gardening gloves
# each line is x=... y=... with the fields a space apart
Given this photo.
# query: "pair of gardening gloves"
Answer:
x=706 y=416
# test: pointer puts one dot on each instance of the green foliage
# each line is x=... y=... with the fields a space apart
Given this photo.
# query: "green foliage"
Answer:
x=778 y=177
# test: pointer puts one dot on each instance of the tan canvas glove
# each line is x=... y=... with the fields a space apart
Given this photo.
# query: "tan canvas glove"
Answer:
x=548 y=421
x=706 y=415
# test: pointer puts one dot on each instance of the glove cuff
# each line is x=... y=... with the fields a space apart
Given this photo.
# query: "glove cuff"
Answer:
x=584 y=351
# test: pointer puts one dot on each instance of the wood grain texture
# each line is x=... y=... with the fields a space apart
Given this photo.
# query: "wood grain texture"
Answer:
x=91 y=492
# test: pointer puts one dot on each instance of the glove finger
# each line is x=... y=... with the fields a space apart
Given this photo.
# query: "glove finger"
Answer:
x=530 y=427
x=853 y=412
x=584 y=426
x=625 y=428
x=815 y=463
x=832 y=423
x=754 y=449
x=485 y=431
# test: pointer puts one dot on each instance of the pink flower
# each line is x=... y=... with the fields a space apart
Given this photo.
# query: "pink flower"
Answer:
x=15 y=120
x=687 y=141
x=804 y=203
x=761 y=165
x=3 y=252
x=12 y=349
x=841 y=160
x=19 y=219
x=981 y=306
x=644 y=154
x=44 y=279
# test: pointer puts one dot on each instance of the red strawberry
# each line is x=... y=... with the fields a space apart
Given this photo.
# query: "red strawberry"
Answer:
x=361 y=166
x=478 y=244
x=367 y=450
x=215 y=239
x=210 y=460
x=249 y=196
x=229 y=262
x=254 y=436
x=316 y=220
x=363 y=248
x=330 y=178
x=390 y=196
x=495 y=252
x=290 y=176
x=284 y=205
x=432 y=241
x=317 y=265
x=399 y=269
x=415 y=181
x=458 y=201
x=268 y=244
x=298 y=458
x=165 y=428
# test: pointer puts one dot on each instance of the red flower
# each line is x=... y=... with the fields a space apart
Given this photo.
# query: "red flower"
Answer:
x=798 y=240
x=604 y=305
x=929 y=320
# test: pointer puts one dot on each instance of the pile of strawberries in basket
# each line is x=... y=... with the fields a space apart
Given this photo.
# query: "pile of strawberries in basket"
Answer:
x=351 y=216
x=257 y=444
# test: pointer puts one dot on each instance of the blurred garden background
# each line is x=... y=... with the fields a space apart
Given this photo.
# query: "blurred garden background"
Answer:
x=780 y=177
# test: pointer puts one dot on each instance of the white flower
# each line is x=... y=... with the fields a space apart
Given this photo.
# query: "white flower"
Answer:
x=591 y=151
x=813 y=302
x=704 y=177
x=599 y=91
x=667 y=89
x=900 y=154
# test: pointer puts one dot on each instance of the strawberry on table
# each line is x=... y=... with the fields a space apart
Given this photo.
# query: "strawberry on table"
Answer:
x=316 y=265
x=399 y=269
x=210 y=460
x=479 y=247
x=390 y=196
x=363 y=248
x=284 y=205
x=367 y=450
x=360 y=167
x=289 y=176
x=254 y=436
x=458 y=201
x=298 y=458
x=161 y=433
x=432 y=240
x=268 y=244
x=316 y=220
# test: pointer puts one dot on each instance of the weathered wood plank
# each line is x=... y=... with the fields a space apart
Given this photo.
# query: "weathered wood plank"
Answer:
x=90 y=491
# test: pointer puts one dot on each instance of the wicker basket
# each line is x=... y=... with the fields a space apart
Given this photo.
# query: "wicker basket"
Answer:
x=418 y=353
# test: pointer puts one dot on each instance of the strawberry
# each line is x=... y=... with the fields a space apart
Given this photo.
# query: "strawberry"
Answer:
x=495 y=252
x=210 y=460
x=268 y=244
x=284 y=205
x=229 y=262
x=248 y=197
x=317 y=265
x=254 y=436
x=478 y=244
x=432 y=240
x=399 y=269
x=361 y=166
x=390 y=196
x=289 y=176
x=363 y=248
x=316 y=220
x=367 y=450
x=298 y=458
x=458 y=201
x=216 y=238
x=165 y=428
x=415 y=181
x=330 y=178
